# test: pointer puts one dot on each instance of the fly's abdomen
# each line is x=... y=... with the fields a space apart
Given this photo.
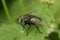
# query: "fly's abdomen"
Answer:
x=36 y=20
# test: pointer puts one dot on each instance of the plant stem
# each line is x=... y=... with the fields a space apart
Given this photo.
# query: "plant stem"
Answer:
x=22 y=6
x=6 y=10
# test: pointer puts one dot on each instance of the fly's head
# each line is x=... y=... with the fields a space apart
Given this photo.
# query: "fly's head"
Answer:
x=21 y=19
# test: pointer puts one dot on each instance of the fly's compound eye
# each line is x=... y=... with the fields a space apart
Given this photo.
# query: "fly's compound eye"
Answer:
x=20 y=19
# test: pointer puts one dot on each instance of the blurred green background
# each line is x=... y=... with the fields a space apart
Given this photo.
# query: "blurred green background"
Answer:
x=10 y=10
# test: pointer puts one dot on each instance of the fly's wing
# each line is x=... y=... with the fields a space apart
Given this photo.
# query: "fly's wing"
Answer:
x=36 y=19
x=32 y=12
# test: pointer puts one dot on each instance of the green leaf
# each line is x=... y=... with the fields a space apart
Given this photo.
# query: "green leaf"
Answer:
x=10 y=10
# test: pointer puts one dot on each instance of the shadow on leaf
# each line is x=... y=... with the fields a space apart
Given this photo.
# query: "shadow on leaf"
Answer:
x=53 y=36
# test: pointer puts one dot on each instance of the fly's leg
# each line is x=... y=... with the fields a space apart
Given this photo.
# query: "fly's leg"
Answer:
x=38 y=29
x=23 y=26
x=28 y=29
